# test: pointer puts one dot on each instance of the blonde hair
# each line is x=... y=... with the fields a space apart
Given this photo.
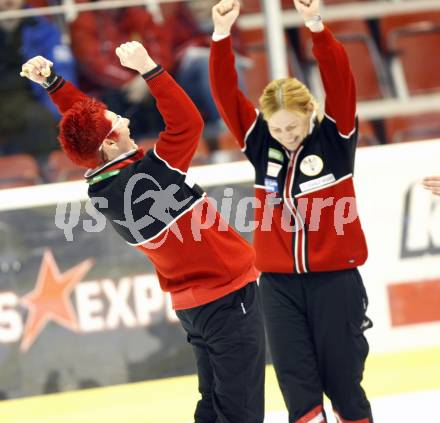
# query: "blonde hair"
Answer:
x=289 y=94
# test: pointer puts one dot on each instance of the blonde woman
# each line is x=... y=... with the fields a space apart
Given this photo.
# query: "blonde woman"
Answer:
x=309 y=240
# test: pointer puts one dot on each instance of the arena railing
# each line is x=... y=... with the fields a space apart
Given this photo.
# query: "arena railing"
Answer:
x=275 y=22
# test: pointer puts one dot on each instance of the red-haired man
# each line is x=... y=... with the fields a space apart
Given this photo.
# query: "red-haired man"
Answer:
x=210 y=276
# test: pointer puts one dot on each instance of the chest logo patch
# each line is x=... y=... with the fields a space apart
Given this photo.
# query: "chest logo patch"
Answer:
x=270 y=185
x=311 y=165
x=276 y=155
x=273 y=169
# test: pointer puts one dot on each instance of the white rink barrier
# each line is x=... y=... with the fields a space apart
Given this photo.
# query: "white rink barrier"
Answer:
x=401 y=221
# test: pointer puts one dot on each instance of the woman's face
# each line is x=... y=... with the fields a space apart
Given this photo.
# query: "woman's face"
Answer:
x=289 y=128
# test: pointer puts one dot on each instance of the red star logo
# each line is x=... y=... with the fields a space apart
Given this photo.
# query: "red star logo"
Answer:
x=50 y=298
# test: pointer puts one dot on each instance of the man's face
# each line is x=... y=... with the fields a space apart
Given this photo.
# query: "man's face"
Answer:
x=123 y=142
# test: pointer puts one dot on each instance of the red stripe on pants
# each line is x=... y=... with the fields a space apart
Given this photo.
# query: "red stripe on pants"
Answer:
x=312 y=414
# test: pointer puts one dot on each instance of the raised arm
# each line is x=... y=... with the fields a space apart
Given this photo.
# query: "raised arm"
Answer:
x=62 y=92
x=183 y=122
x=236 y=110
x=339 y=86
x=334 y=67
x=178 y=143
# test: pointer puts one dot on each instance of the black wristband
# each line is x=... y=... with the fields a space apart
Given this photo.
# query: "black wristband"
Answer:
x=153 y=73
x=50 y=80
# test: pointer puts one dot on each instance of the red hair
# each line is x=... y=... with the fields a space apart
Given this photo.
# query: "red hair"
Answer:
x=83 y=128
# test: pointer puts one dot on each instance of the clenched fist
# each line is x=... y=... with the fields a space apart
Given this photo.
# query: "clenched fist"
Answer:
x=37 y=69
x=307 y=8
x=133 y=55
x=224 y=15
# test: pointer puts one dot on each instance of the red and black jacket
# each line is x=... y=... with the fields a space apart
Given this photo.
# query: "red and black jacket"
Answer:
x=151 y=203
x=306 y=209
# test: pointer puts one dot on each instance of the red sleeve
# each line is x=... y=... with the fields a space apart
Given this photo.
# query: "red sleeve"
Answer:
x=64 y=95
x=236 y=110
x=183 y=122
x=336 y=75
x=101 y=67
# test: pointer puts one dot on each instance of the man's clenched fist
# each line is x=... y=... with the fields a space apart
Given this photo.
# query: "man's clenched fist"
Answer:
x=37 y=69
